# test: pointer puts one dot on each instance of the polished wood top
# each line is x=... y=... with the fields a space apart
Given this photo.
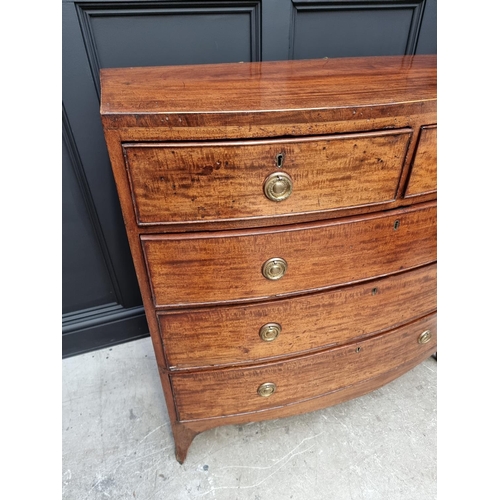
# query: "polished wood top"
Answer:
x=269 y=86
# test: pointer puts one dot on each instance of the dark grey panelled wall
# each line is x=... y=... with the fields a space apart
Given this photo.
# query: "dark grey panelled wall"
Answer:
x=101 y=300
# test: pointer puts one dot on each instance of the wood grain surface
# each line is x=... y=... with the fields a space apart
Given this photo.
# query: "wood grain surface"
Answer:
x=268 y=86
x=225 y=266
x=423 y=177
x=215 y=393
x=191 y=147
x=204 y=181
x=185 y=431
x=269 y=99
x=230 y=335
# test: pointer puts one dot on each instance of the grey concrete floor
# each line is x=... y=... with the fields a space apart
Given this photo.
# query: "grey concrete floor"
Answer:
x=117 y=442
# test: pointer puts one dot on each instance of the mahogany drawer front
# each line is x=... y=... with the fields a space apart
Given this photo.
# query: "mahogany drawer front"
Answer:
x=182 y=182
x=423 y=177
x=229 y=335
x=229 y=391
x=197 y=268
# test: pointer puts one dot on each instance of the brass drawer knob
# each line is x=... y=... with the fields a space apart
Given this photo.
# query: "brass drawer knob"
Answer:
x=425 y=337
x=275 y=268
x=278 y=186
x=265 y=390
x=270 y=331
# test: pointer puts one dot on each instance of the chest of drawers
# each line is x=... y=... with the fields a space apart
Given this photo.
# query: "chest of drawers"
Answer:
x=282 y=222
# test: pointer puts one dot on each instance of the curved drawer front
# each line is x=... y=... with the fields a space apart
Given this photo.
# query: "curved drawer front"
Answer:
x=231 y=391
x=423 y=178
x=228 y=265
x=238 y=334
x=182 y=182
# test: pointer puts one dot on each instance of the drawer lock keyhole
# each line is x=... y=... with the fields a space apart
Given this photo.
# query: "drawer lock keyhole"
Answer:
x=280 y=158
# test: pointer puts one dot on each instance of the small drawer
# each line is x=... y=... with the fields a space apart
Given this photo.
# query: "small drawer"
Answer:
x=207 y=181
x=423 y=177
x=231 y=335
x=231 y=391
x=228 y=266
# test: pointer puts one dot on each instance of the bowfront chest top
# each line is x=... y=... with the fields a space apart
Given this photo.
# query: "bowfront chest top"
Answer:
x=282 y=222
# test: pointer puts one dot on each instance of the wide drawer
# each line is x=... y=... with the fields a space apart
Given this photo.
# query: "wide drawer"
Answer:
x=423 y=177
x=197 y=268
x=231 y=391
x=183 y=182
x=238 y=334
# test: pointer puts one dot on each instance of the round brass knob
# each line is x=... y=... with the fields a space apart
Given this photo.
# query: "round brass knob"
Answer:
x=425 y=337
x=278 y=186
x=275 y=268
x=270 y=331
x=265 y=390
